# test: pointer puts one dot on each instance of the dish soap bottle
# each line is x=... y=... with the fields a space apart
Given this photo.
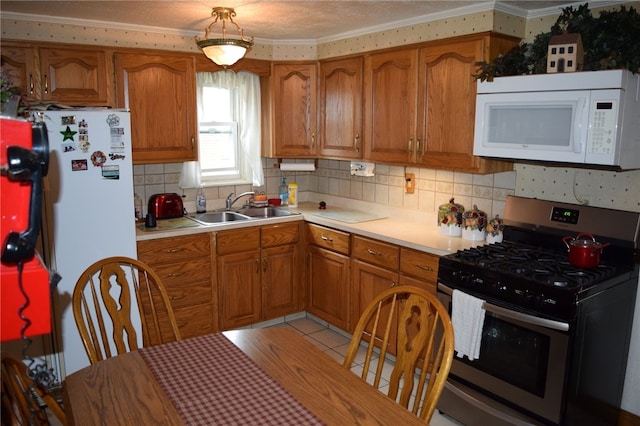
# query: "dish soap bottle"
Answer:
x=201 y=201
x=283 y=192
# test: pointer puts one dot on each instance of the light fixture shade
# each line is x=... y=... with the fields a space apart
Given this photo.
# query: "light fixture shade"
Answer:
x=224 y=51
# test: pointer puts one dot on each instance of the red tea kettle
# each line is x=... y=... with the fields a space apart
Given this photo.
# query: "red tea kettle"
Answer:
x=584 y=251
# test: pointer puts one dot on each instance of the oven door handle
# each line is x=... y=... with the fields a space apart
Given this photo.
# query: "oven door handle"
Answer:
x=509 y=313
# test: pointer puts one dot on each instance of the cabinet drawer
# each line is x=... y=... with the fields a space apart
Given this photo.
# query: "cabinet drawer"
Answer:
x=185 y=295
x=165 y=250
x=196 y=321
x=419 y=264
x=279 y=235
x=237 y=241
x=376 y=252
x=184 y=272
x=328 y=238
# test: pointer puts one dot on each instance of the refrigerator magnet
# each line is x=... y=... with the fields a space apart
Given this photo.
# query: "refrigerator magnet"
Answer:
x=78 y=165
x=98 y=158
x=111 y=172
x=113 y=120
x=113 y=156
x=67 y=134
x=67 y=120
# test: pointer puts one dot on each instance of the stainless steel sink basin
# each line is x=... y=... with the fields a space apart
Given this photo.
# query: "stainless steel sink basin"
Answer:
x=210 y=218
x=264 y=212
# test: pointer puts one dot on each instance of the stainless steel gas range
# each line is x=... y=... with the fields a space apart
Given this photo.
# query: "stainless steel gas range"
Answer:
x=555 y=338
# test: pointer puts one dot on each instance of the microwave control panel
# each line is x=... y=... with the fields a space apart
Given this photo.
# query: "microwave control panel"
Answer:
x=603 y=124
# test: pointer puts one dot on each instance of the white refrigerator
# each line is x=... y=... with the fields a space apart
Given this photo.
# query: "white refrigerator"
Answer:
x=88 y=209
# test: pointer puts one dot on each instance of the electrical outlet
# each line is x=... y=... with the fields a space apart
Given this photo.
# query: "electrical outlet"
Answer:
x=410 y=183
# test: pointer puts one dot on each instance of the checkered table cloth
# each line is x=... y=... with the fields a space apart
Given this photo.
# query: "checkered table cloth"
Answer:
x=212 y=382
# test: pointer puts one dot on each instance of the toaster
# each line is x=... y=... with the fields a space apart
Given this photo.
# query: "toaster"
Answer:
x=166 y=206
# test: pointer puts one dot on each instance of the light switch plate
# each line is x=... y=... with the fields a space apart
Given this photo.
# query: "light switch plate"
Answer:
x=410 y=183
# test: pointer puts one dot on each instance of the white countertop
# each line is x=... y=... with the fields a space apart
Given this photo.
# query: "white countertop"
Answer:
x=413 y=230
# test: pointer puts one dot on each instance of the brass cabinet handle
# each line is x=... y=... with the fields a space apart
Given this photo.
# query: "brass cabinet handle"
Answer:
x=393 y=284
x=175 y=250
x=375 y=253
x=31 y=84
x=176 y=297
x=410 y=148
x=257 y=265
x=175 y=275
x=264 y=264
x=326 y=238
x=357 y=142
x=193 y=143
x=425 y=268
x=46 y=84
x=313 y=139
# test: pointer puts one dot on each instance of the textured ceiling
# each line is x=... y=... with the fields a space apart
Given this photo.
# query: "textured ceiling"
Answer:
x=265 y=19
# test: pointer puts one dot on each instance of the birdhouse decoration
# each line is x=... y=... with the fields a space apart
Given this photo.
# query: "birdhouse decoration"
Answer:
x=565 y=53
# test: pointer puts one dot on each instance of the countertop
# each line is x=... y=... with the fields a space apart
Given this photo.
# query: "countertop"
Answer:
x=418 y=231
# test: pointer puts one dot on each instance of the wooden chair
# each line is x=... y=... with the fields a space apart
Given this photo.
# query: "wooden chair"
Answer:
x=424 y=347
x=107 y=285
x=19 y=392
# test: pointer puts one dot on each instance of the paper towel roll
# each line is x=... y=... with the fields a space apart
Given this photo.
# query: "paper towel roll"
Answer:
x=297 y=167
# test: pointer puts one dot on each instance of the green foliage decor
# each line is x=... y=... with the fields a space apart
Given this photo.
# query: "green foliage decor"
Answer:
x=610 y=41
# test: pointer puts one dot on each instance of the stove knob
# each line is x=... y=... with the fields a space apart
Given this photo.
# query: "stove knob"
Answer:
x=502 y=288
x=530 y=299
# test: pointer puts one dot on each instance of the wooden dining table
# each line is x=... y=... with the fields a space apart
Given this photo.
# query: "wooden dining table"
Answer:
x=270 y=376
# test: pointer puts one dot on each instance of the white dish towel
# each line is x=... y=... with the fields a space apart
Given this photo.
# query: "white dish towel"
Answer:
x=467 y=316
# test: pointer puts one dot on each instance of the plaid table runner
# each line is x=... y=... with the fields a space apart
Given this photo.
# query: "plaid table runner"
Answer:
x=212 y=382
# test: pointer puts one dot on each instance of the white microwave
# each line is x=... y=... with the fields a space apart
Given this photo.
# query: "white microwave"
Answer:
x=590 y=117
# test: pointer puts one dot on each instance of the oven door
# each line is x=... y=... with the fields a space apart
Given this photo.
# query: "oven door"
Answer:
x=523 y=360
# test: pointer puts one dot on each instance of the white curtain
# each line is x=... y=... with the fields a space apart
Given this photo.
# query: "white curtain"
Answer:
x=247 y=113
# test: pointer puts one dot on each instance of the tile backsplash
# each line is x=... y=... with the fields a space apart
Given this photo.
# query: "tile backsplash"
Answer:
x=333 y=177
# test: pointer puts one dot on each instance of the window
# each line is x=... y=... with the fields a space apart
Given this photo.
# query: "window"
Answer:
x=229 y=142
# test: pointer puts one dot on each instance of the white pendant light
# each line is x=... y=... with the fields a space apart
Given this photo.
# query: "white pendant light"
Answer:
x=222 y=50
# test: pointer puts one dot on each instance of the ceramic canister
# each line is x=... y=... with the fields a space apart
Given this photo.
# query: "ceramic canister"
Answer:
x=495 y=228
x=450 y=219
x=474 y=223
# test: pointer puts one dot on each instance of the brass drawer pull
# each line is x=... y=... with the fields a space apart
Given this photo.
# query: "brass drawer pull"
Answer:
x=175 y=275
x=326 y=238
x=425 y=268
x=373 y=252
x=176 y=297
x=175 y=250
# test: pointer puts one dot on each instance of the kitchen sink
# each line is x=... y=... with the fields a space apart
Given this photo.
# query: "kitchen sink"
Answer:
x=218 y=217
x=264 y=212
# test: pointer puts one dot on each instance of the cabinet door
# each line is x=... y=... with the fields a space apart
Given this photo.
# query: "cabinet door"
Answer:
x=369 y=281
x=447 y=103
x=239 y=289
x=294 y=109
x=280 y=282
x=160 y=91
x=19 y=63
x=75 y=76
x=390 y=106
x=341 y=108
x=329 y=277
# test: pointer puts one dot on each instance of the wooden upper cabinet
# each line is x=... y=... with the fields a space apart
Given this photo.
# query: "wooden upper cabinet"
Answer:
x=446 y=106
x=294 y=98
x=420 y=103
x=73 y=76
x=160 y=91
x=390 y=105
x=340 y=125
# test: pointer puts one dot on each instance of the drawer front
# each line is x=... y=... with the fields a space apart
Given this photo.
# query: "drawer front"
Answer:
x=238 y=240
x=166 y=250
x=184 y=272
x=328 y=238
x=376 y=252
x=419 y=264
x=196 y=321
x=187 y=295
x=279 y=235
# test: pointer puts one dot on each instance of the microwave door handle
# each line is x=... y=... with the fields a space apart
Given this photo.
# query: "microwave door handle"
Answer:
x=580 y=111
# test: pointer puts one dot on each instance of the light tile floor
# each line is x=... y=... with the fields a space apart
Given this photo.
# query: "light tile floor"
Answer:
x=334 y=342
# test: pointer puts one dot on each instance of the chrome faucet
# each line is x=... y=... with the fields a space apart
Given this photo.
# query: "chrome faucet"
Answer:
x=230 y=202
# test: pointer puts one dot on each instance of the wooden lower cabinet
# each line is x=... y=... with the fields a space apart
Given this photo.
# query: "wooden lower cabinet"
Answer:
x=258 y=273
x=329 y=274
x=185 y=267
